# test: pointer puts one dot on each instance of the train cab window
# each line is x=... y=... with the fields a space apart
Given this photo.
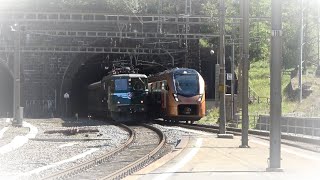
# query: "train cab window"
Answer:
x=187 y=84
x=138 y=87
x=138 y=84
x=121 y=84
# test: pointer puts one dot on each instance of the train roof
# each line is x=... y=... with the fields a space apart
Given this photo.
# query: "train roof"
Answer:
x=178 y=70
x=172 y=71
x=125 y=75
x=184 y=71
x=98 y=84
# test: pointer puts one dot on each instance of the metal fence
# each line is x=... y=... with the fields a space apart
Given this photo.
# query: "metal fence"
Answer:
x=295 y=124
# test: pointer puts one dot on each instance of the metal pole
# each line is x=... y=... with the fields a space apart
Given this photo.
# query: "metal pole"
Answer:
x=318 y=21
x=245 y=76
x=275 y=87
x=232 y=81
x=55 y=99
x=222 y=79
x=240 y=67
x=301 y=54
x=17 y=121
x=66 y=107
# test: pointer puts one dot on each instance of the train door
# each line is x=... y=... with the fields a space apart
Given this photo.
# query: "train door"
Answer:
x=105 y=100
x=110 y=89
x=164 y=94
x=104 y=96
x=158 y=93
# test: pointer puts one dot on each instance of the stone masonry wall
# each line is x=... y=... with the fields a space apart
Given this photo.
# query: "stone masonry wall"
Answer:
x=41 y=83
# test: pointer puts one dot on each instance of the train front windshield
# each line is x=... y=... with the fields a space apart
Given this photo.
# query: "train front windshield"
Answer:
x=132 y=84
x=121 y=85
x=138 y=84
x=187 y=84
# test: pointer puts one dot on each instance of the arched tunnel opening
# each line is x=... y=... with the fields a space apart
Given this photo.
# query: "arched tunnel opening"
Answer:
x=98 y=66
x=6 y=92
x=94 y=68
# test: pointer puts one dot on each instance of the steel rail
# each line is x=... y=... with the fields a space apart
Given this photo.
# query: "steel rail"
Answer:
x=133 y=167
x=86 y=165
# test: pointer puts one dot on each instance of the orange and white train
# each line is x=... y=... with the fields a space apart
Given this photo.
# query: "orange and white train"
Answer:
x=177 y=95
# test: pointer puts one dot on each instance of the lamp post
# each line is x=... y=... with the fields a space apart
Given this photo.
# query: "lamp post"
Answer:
x=17 y=110
x=216 y=77
x=232 y=81
x=301 y=53
x=275 y=88
x=222 y=83
x=222 y=78
x=245 y=74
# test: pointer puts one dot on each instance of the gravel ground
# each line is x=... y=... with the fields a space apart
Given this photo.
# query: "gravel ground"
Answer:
x=41 y=155
x=49 y=149
x=173 y=133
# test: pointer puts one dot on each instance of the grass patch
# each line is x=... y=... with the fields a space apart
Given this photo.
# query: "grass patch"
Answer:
x=211 y=117
x=259 y=82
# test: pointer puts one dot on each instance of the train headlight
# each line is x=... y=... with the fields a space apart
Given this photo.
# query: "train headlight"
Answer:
x=200 y=97
x=141 y=101
x=175 y=96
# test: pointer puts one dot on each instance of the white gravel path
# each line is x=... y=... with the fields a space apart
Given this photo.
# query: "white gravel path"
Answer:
x=19 y=141
x=37 y=153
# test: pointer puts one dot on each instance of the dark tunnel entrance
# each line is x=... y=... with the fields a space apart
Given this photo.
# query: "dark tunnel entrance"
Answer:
x=6 y=92
x=91 y=71
x=95 y=68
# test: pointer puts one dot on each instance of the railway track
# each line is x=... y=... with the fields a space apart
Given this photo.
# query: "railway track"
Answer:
x=144 y=142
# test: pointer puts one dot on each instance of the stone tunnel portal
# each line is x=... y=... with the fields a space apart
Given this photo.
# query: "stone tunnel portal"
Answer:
x=6 y=92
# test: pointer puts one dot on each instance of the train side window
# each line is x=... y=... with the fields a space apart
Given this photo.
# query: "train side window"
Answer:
x=159 y=86
x=150 y=87
x=164 y=85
